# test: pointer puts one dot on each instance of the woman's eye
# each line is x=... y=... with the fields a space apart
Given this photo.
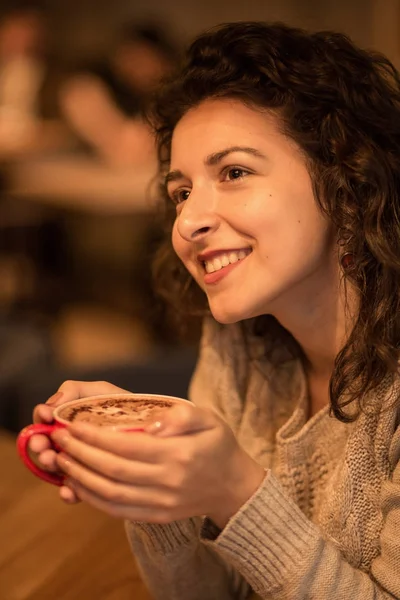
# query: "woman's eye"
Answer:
x=179 y=196
x=234 y=173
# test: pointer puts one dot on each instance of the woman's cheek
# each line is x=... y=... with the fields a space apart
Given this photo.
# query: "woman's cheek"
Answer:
x=182 y=248
x=174 y=237
x=178 y=243
x=184 y=251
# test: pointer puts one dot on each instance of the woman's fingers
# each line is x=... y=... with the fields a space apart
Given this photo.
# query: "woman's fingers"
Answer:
x=133 y=445
x=145 y=513
x=182 y=419
x=111 y=491
x=112 y=466
x=48 y=459
x=56 y=399
x=73 y=390
x=39 y=443
x=43 y=414
x=68 y=495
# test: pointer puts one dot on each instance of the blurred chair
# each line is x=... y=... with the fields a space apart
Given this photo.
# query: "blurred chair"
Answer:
x=25 y=355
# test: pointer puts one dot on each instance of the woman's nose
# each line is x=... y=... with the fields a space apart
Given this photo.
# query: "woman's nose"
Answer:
x=198 y=218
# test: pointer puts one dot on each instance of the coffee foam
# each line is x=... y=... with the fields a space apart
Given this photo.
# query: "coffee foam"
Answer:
x=115 y=411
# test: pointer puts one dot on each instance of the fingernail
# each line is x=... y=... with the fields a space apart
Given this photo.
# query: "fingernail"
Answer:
x=63 y=462
x=54 y=398
x=154 y=427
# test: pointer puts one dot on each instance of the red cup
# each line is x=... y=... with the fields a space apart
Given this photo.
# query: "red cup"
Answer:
x=60 y=423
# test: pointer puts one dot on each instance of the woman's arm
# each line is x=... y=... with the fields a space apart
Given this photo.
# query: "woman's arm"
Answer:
x=271 y=545
x=283 y=555
x=175 y=564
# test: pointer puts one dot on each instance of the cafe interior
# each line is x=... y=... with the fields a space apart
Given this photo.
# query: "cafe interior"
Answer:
x=79 y=226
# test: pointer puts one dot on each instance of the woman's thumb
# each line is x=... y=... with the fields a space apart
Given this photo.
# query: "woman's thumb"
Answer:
x=181 y=419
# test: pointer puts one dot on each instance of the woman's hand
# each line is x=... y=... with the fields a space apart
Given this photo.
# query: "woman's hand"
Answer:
x=43 y=413
x=186 y=464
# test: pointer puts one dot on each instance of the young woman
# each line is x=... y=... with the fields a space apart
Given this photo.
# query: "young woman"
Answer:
x=279 y=153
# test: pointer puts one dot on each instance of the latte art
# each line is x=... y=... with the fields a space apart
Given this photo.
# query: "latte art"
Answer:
x=113 y=411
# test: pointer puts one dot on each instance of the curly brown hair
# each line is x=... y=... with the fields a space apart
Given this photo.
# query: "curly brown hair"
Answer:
x=341 y=105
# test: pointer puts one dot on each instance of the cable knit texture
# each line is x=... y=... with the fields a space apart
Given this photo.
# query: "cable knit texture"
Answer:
x=324 y=524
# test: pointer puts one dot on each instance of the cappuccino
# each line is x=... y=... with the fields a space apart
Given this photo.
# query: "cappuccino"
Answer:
x=113 y=411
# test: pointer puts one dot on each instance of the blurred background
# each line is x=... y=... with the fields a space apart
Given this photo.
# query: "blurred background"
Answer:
x=78 y=220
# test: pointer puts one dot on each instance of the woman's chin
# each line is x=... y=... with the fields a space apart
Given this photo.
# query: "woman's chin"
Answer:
x=227 y=317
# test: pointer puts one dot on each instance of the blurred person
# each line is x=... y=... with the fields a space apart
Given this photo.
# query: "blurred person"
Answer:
x=22 y=39
x=104 y=101
x=280 y=169
x=26 y=77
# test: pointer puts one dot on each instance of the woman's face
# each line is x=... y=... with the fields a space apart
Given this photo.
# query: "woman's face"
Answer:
x=248 y=228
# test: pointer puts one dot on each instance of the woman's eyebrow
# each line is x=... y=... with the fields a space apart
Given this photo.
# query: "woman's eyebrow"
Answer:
x=214 y=159
x=173 y=176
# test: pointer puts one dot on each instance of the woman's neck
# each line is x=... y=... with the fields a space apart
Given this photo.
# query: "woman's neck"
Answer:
x=321 y=326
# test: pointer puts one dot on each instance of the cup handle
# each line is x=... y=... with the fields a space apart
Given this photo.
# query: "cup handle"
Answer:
x=23 y=451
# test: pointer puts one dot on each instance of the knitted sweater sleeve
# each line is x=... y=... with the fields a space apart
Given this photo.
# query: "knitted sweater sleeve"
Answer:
x=283 y=555
x=174 y=562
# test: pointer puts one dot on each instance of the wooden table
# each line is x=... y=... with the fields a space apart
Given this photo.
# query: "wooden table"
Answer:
x=51 y=551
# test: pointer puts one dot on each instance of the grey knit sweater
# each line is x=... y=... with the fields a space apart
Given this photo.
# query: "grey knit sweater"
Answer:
x=324 y=524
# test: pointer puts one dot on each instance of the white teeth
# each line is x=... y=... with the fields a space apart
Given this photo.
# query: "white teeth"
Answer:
x=217 y=264
x=223 y=260
x=210 y=268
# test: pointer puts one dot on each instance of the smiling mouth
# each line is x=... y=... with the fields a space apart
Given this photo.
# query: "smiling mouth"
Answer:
x=226 y=258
